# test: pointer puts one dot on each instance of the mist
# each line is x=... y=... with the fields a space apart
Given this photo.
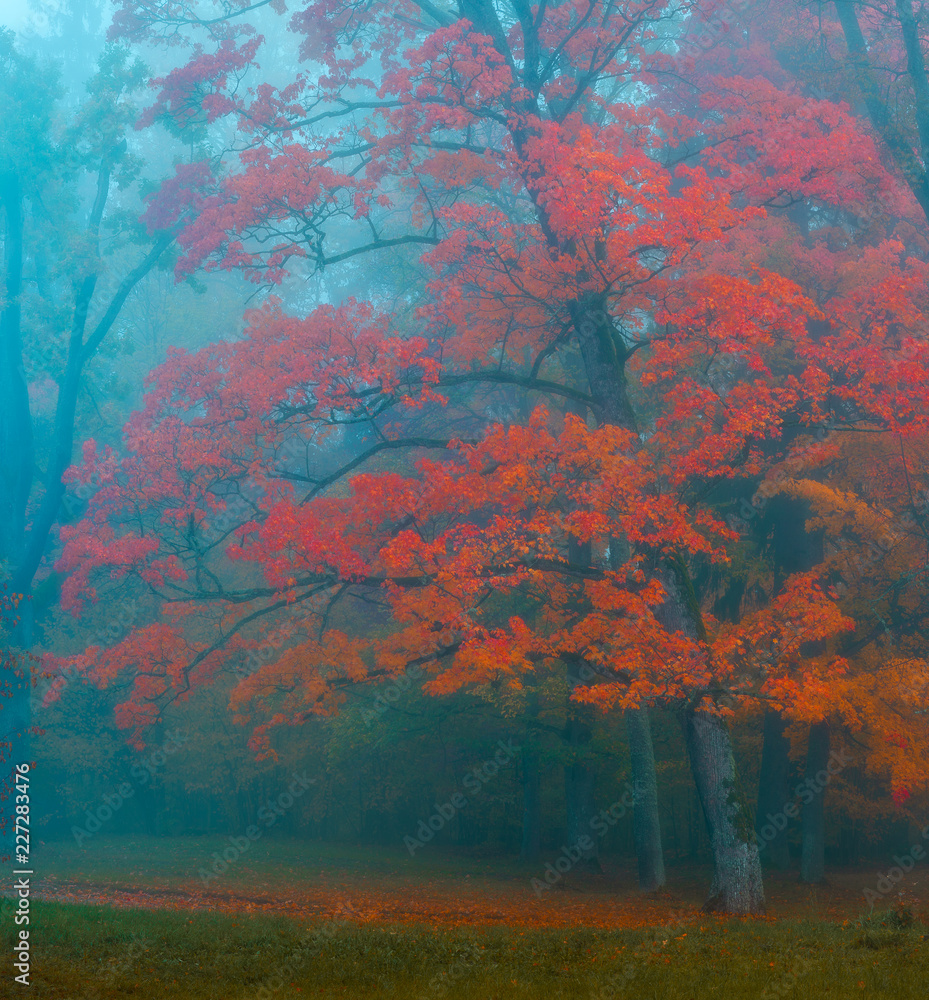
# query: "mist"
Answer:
x=463 y=498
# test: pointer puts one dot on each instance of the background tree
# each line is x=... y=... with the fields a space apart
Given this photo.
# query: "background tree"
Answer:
x=837 y=249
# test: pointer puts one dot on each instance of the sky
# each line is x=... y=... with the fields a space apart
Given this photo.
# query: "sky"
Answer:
x=14 y=13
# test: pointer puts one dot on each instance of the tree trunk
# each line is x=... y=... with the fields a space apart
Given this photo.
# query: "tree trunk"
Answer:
x=737 y=881
x=532 y=808
x=646 y=824
x=693 y=827
x=16 y=442
x=16 y=464
x=884 y=118
x=737 y=884
x=812 y=819
x=579 y=788
x=580 y=777
x=773 y=793
x=580 y=772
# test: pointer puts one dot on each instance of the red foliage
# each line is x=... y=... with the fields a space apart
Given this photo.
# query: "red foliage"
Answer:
x=651 y=261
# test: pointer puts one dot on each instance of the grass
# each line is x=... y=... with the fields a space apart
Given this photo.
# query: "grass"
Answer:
x=156 y=861
x=99 y=953
x=292 y=919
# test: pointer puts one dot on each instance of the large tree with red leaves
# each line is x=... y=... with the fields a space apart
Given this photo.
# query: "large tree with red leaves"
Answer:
x=523 y=472
x=787 y=70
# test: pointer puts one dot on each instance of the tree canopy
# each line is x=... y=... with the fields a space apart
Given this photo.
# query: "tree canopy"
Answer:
x=653 y=277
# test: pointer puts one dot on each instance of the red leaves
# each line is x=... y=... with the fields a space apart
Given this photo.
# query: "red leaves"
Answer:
x=193 y=94
x=456 y=67
x=731 y=271
x=181 y=197
x=900 y=795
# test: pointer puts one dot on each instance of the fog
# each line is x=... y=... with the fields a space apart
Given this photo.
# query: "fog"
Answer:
x=463 y=478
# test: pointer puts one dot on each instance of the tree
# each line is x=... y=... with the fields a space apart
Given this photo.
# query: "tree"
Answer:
x=839 y=251
x=874 y=55
x=54 y=261
x=61 y=296
x=575 y=254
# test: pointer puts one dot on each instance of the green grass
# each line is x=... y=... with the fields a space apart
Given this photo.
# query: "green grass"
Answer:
x=97 y=953
x=91 y=952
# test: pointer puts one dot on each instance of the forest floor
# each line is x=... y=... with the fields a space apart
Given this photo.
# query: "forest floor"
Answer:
x=328 y=881
x=121 y=918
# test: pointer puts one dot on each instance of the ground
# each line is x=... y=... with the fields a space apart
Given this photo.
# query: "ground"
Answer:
x=134 y=918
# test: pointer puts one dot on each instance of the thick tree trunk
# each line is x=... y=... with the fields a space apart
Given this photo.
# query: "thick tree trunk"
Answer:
x=773 y=793
x=737 y=883
x=812 y=819
x=646 y=824
x=532 y=808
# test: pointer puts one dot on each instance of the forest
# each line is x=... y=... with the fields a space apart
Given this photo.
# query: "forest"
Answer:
x=464 y=498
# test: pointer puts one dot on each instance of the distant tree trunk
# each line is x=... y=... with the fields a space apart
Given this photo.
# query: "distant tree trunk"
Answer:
x=737 y=883
x=646 y=824
x=580 y=777
x=579 y=787
x=580 y=773
x=17 y=457
x=532 y=808
x=531 y=843
x=773 y=793
x=16 y=440
x=812 y=819
x=694 y=815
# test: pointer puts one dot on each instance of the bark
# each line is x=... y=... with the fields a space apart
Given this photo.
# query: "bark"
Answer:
x=646 y=824
x=773 y=793
x=737 y=883
x=604 y=360
x=882 y=116
x=812 y=819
